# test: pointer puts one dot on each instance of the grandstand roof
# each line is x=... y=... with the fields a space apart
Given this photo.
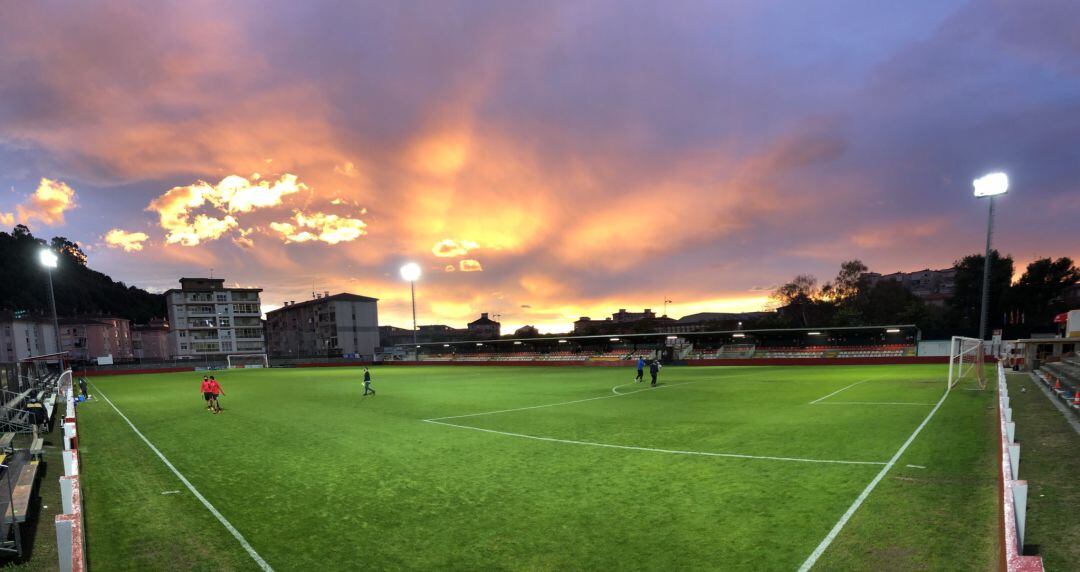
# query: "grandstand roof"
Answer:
x=555 y=338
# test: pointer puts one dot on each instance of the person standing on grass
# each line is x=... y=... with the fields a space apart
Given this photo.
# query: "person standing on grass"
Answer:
x=82 y=387
x=654 y=370
x=367 y=382
x=207 y=392
x=215 y=389
x=640 y=369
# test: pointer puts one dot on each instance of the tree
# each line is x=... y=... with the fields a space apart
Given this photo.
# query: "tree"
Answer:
x=965 y=304
x=1039 y=294
x=799 y=300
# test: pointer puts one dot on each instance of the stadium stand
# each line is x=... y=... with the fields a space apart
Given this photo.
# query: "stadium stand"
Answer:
x=1063 y=379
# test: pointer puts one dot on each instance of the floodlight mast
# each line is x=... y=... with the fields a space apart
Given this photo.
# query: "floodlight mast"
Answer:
x=990 y=186
x=411 y=272
x=49 y=260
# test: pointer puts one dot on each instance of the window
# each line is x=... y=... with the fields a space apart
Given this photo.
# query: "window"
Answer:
x=248 y=333
x=222 y=297
x=226 y=346
x=183 y=347
x=183 y=333
x=224 y=322
x=246 y=308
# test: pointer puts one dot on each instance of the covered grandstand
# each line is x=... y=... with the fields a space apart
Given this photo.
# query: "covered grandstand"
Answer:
x=868 y=344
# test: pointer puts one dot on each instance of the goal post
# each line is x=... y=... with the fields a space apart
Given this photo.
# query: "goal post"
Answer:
x=243 y=361
x=966 y=361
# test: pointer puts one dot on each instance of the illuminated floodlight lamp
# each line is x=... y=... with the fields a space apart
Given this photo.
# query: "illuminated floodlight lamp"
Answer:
x=892 y=331
x=446 y=345
x=813 y=333
x=410 y=272
x=517 y=343
x=738 y=335
x=613 y=339
x=673 y=337
x=417 y=347
x=479 y=344
x=48 y=259
x=991 y=185
x=562 y=341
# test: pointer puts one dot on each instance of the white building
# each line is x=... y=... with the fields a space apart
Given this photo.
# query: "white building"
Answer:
x=208 y=319
x=342 y=325
x=24 y=337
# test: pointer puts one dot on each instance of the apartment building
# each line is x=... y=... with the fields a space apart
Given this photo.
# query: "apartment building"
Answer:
x=150 y=342
x=339 y=325
x=25 y=336
x=206 y=319
x=91 y=338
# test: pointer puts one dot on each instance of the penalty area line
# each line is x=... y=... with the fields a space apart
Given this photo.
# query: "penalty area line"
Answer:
x=655 y=450
x=228 y=525
x=813 y=558
x=839 y=390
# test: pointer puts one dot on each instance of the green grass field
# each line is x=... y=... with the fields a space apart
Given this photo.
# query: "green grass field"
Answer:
x=558 y=468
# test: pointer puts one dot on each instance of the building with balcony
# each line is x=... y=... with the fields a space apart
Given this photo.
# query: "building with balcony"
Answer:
x=342 y=325
x=208 y=319
x=932 y=286
x=25 y=336
x=86 y=339
x=150 y=342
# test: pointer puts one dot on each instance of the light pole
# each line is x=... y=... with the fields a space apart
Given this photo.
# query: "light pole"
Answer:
x=49 y=260
x=410 y=273
x=991 y=186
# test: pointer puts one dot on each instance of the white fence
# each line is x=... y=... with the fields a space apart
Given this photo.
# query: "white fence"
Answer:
x=70 y=526
x=1013 y=490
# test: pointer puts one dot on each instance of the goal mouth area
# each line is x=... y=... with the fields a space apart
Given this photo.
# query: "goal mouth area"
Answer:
x=247 y=361
x=966 y=360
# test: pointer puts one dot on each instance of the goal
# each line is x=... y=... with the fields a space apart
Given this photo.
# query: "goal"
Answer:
x=247 y=361
x=966 y=361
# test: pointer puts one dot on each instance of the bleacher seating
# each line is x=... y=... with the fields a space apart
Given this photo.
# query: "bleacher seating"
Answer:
x=728 y=351
x=1063 y=379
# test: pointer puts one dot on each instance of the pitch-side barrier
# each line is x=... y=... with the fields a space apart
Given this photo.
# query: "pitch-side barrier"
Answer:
x=70 y=526
x=1013 y=490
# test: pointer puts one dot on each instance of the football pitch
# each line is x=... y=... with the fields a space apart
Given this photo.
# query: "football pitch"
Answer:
x=542 y=468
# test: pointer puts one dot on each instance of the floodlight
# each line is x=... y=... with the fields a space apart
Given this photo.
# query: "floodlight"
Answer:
x=479 y=344
x=673 y=337
x=562 y=341
x=446 y=345
x=813 y=333
x=738 y=335
x=48 y=259
x=517 y=343
x=410 y=272
x=613 y=339
x=991 y=185
x=892 y=331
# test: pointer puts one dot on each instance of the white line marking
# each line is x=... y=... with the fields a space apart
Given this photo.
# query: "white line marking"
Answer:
x=564 y=402
x=228 y=526
x=809 y=563
x=917 y=466
x=872 y=403
x=839 y=390
x=653 y=450
x=170 y=492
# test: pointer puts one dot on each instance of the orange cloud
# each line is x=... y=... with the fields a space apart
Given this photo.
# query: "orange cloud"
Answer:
x=48 y=204
x=129 y=241
x=469 y=265
x=450 y=248
x=234 y=194
x=327 y=228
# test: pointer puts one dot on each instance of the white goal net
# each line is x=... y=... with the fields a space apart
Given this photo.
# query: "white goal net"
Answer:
x=247 y=361
x=966 y=362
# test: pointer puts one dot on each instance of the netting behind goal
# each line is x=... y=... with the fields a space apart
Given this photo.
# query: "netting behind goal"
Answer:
x=247 y=361
x=966 y=362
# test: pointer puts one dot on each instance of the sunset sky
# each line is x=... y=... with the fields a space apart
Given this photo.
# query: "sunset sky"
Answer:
x=540 y=160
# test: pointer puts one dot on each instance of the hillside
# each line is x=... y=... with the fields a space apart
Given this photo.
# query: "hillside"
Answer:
x=79 y=289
